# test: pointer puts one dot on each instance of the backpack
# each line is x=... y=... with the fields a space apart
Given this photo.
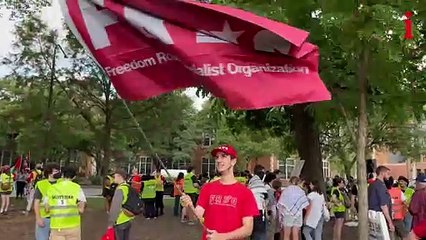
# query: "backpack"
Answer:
x=133 y=205
x=5 y=186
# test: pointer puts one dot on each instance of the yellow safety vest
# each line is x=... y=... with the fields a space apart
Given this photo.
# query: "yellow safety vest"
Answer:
x=149 y=188
x=123 y=218
x=43 y=186
x=188 y=185
x=159 y=187
x=341 y=207
x=408 y=194
x=63 y=208
x=242 y=180
x=6 y=181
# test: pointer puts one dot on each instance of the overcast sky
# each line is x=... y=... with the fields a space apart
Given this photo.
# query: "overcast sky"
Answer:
x=53 y=16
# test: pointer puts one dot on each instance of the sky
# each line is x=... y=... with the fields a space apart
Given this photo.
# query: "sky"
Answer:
x=53 y=16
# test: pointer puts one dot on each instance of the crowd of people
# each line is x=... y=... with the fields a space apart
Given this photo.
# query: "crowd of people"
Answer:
x=57 y=200
x=231 y=205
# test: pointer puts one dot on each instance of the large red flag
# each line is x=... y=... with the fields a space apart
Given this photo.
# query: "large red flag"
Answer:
x=151 y=47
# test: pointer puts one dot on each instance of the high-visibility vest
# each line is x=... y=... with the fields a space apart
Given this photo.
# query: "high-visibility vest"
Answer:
x=149 y=189
x=123 y=218
x=63 y=208
x=159 y=186
x=188 y=185
x=43 y=186
x=7 y=181
x=408 y=194
x=242 y=180
x=398 y=210
x=341 y=207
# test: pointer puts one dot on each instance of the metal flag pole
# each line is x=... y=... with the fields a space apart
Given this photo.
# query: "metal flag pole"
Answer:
x=132 y=116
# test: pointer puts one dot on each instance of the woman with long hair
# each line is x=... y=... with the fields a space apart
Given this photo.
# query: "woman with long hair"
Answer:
x=314 y=219
x=6 y=187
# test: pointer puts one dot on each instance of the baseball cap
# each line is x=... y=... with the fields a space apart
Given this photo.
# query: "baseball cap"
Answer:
x=421 y=178
x=226 y=148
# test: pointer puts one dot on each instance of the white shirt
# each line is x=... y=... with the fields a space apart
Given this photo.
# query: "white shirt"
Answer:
x=316 y=202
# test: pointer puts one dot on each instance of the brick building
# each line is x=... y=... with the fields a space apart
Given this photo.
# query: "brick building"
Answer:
x=400 y=165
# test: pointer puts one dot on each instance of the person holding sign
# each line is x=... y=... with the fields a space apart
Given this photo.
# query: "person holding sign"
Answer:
x=380 y=206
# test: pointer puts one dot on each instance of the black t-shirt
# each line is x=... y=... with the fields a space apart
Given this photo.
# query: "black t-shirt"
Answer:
x=378 y=196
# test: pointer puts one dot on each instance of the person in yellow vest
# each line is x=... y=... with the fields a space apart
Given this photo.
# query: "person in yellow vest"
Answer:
x=117 y=218
x=52 y=174
x=398 y=210
x=65 y=202
x=159 y=193
x=242 y=179
x=338 y=207
x=6 y=187
x=148 y=194
x=408 y=194
x=108 y=190
x=191 y=187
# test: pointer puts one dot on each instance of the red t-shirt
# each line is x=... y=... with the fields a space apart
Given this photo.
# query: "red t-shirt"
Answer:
x=226 y=206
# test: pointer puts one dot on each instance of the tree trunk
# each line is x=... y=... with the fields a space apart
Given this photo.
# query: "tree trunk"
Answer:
x=308 y=143
x=106 y=145
x=361 y=144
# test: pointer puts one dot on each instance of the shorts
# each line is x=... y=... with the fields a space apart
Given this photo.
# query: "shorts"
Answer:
x=6 y=193
x=338 y=215
x=400 y=229
x=292 y=221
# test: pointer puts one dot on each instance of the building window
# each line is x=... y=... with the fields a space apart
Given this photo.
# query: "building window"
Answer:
x=286 y=167
x=326 y=168
x=145 y=165
x=207 y=140
x=208 y=166
x=180 y=164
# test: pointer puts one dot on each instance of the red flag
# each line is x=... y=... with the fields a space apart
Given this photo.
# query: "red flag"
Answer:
x=109 y=234
x=149 y=47
x=18 y=163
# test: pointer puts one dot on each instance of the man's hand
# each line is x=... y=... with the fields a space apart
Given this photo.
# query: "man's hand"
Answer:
x=391 y=227
x=40 y=223
x=213 y=235
x=186 y=201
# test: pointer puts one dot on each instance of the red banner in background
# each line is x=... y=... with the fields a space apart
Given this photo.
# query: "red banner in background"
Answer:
x=148 y=48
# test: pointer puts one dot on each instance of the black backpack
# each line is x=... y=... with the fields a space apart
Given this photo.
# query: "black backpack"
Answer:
x=133 y=205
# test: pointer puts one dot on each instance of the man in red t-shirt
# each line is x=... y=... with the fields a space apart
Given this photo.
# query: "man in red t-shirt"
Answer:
x=227 y=206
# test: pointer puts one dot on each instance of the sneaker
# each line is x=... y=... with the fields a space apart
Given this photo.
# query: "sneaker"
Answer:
x=191 y=223
x=183 y=221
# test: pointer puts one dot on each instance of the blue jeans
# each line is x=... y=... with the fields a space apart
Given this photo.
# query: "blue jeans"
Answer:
x=259 y=228
x=43 y=233
x=408 y=221
x=314 y=233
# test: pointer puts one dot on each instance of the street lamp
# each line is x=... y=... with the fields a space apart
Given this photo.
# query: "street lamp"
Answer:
x=50 y=96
